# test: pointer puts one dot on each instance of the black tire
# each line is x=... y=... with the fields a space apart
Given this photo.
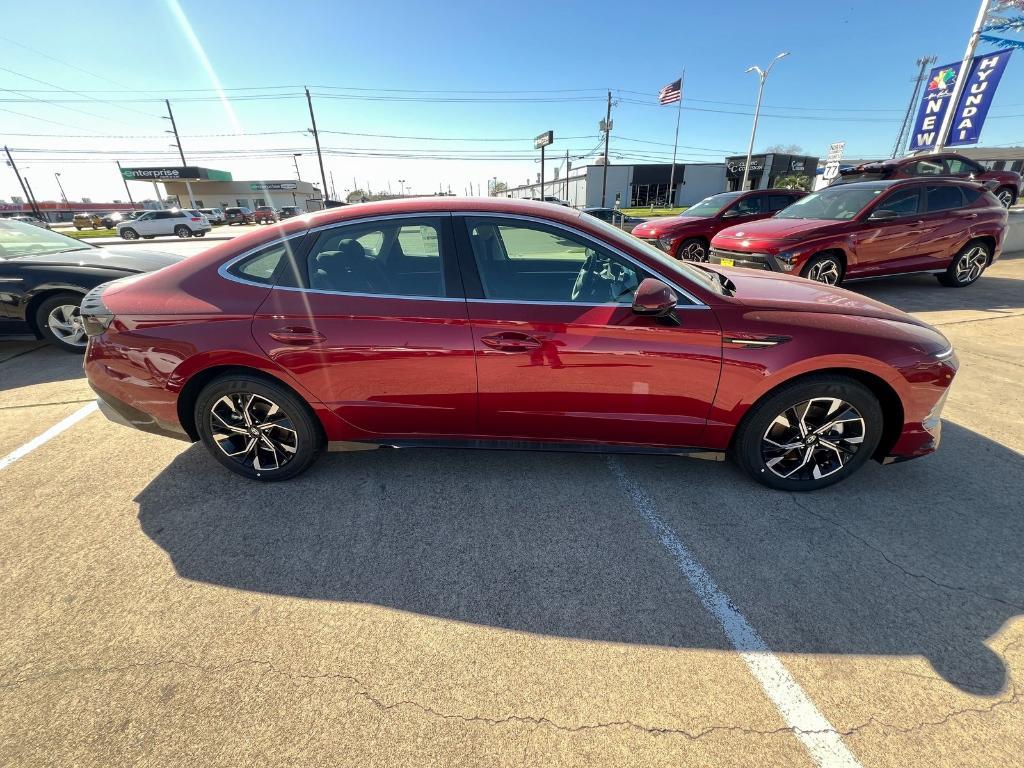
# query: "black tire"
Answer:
x=198 y=234
x=306 y=440
x=129 y=234
x=693 y=249
x=825 y=268
x=182 y=231
x=774 y=414
x=148 y=237
x=1006 y=195
x=967 y=266
x=59 y=339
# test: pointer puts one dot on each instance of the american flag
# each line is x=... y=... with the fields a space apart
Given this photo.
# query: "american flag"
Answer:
x=671 y=93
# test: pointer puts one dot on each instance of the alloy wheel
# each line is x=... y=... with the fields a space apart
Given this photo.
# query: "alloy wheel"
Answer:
x=813 y=439
x=65 y=322
x=825 y=271
x=1005 y=197
x=252 y=430
x=694 y=252
x=971 y=264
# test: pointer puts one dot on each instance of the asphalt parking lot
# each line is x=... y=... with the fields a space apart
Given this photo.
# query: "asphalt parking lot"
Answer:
x=496 y=608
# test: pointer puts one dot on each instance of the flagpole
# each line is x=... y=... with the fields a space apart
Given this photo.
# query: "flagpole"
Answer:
x=675 y=146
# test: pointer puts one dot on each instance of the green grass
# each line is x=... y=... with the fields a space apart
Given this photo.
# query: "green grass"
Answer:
x=649 y=212
x=85 y=234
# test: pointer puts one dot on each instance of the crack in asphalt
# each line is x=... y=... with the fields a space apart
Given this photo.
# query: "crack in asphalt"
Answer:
x=40 y=405
x=534 y=720
x=903 y=569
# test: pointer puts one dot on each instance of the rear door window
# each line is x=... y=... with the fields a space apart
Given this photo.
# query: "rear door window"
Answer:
x=905 y=202
x=778 y=202
x=749 y=206
x=943 y=198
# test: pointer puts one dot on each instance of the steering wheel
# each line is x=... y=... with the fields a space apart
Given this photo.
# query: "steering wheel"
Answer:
x=583 y=285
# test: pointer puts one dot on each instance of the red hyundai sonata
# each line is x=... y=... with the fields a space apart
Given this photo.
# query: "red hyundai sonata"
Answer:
x=948 y=228
x=504 y=323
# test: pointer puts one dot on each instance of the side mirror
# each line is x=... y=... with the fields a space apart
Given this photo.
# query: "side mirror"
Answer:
x=654 y=298
x=731 y=214
x=883 y=215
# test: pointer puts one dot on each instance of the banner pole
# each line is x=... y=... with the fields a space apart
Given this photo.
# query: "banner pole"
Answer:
x=961 y=78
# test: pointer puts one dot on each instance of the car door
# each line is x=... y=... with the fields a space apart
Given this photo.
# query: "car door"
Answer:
x=370 y=318
x=948 y=224
x=144 y=223
x=884 y=245
x=561 y=356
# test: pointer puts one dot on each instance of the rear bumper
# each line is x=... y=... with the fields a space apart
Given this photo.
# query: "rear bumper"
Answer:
x=121 y=413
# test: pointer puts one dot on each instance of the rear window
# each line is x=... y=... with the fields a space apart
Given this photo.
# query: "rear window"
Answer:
x=943 y=198
x=262 y=266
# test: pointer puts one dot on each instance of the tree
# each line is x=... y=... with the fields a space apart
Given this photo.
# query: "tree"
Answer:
x=794 y=181
x=355 y=196
x=785 y=149
x=499 y=188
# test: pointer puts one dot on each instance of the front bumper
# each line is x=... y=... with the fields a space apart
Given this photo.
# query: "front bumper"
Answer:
x=727 y=258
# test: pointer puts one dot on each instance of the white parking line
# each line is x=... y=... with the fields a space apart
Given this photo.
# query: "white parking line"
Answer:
x=49 y=434
x=821 y=739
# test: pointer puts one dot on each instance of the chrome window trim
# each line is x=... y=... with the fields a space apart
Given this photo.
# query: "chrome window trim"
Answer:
x=697 y=303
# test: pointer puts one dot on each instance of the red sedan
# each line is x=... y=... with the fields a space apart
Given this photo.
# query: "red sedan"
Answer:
x=687 y=235
x=503 y=323
x=948 y=228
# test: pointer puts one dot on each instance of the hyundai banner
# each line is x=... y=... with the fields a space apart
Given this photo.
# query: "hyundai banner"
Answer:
x=982 y=79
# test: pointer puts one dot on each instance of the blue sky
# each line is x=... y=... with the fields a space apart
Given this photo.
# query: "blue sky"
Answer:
x=848 y=78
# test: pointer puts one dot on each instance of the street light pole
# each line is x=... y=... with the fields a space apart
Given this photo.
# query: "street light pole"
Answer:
x=401 y=187
x=294 y=160
x=762 y=76
x=128 y=191
x=61 y=188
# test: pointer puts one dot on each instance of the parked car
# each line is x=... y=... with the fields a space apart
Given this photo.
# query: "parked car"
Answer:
x=213 y=215
x=197 y=213
x=289 y=211
x=45 y=274
x=551 y=199
x=688 y=235
x=82 y=221
x=110 y=220
x=616 y=217
x=238 y=216
x=953 y=229
x=265 y=215
x=497 y=322
x=1005 y=185
x=30 y=220
x=172 y=221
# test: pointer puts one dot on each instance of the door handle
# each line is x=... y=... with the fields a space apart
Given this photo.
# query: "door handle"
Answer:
x=512 y=341
x=971 y=216
x=299 y=335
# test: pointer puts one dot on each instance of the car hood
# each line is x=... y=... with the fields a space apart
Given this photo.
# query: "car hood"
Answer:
x=778 y=229
x=123 y=259
x=667 y=224
x=775 y=291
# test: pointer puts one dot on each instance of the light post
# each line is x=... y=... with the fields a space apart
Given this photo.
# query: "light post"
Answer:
x=401 y=187
x=762 y=75
x=295 y=156
x=61 y=188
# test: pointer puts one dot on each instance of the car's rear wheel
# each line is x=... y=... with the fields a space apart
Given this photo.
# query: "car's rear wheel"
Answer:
x=809 y=434
x=824 y=268
x=257 y=428
x=693 y=249
x=182 y=231
x=967 y=266
x=59 y=320
x=129 y=234
x=1006 y=196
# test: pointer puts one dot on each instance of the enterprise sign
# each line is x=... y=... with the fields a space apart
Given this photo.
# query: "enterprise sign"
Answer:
x=175 y=173
x=264 y=186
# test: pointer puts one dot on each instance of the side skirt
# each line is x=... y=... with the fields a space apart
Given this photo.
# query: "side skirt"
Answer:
x=523 y=445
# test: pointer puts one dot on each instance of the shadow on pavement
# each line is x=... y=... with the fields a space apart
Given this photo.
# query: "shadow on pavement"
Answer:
x=922 y=293
x=920 y=558
x=24 y=363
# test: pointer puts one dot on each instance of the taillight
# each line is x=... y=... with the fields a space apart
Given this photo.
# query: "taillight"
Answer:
x=96 y=317
x=195 y=219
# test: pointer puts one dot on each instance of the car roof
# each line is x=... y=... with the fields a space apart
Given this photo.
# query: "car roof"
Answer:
x=445 y=204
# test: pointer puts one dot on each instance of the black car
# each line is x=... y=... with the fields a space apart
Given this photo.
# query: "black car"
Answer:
x=289 y=211
x=615 y=217
x=44 y=275
x=238 y=216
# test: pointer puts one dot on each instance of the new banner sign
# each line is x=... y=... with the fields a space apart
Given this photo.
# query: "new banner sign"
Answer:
x=980 y=87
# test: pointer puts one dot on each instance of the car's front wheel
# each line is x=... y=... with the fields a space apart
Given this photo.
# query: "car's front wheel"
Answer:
x=129 y=234
x=824 y=268
x=693 y=249
x=257 y=428
x=809 y=434
x=59 y=320
x=967 y=266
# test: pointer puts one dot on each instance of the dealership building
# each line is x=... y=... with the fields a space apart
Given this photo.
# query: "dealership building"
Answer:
x=629 y=186
x=767 y=170
x=210 y=188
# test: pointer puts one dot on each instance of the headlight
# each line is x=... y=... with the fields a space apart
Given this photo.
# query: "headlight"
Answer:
x=786 y=260
x=665 y=243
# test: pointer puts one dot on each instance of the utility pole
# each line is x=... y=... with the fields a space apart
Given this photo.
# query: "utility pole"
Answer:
x=901 y=139
x=334 y=192
x=295 y=160
x=607 y=130
x=24 y=189
x=181 y=152
x=32 y=201
x=125 y=184
x=961 y=79
x=316 y=138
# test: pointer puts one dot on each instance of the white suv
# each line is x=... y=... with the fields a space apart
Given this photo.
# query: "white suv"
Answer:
x=213 y=215
x=170 y=222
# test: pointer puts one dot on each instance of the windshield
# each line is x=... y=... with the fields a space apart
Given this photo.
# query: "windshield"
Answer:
x=709 y=206
x=672 y=267
x=834 y=203
x=20 y=239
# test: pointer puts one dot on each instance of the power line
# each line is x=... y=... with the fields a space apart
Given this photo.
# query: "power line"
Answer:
x=64 y=63
x=68 y=90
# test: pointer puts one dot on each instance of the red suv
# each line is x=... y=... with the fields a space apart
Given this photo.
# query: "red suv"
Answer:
x=507 y=323
x=950 y=228
x=687 y=235
x=1005 y=184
